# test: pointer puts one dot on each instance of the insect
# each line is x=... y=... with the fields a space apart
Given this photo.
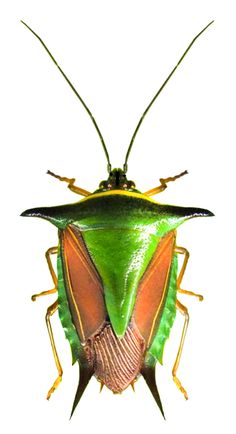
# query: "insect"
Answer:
x=117 y=278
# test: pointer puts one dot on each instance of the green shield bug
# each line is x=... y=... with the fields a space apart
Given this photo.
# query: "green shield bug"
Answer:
x=117 y=274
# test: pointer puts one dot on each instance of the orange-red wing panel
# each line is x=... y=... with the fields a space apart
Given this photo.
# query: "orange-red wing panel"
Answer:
x=153 y=288
x=83 y=284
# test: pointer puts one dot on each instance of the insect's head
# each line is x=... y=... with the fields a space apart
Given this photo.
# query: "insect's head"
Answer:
x=117 y=181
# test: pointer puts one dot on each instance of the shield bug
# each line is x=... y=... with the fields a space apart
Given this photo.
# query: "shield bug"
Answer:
x=117 y=278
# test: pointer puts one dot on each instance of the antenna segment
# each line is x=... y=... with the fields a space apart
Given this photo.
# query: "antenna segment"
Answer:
x=77 y=94
x=158 y=93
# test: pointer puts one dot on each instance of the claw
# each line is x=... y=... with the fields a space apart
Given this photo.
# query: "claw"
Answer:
x=132 y=385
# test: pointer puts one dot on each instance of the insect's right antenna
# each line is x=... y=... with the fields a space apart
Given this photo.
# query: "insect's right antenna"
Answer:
x=158 y=93
x=77 y=94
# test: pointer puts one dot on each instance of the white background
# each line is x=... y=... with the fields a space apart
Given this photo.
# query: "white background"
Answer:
x=117 y=53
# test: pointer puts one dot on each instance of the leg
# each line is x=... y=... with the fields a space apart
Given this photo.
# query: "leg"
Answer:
x=49 y=252
x=40 y=294
x=184 y=252
x=184 y=312
x=163 y=184
x=71 y=185
x=50 y=311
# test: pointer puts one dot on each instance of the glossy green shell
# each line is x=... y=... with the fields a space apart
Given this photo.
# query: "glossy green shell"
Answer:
x=121 y=231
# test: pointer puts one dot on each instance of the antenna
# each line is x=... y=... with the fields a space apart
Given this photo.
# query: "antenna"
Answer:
x=77 y=94
x=158 y=93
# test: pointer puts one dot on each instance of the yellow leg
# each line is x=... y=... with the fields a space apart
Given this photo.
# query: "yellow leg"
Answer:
x=40 y=294
x=49 y=252
x=163 y=184
x=184 y=252
x=184 y=311
x=70 y=182
x=50 y=311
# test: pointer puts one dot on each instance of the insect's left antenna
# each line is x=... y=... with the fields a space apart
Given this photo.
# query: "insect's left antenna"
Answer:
x=77 y=94
x=158 y=93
